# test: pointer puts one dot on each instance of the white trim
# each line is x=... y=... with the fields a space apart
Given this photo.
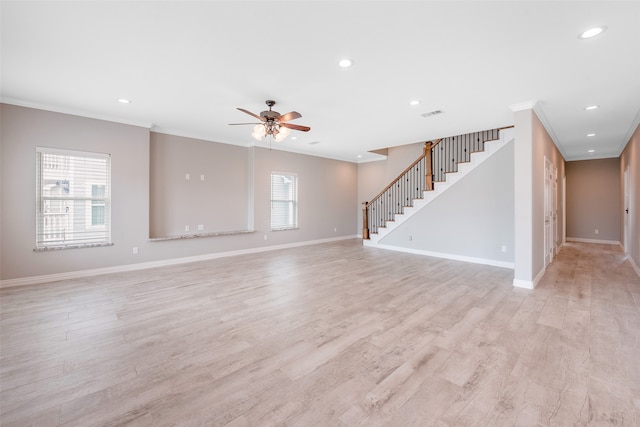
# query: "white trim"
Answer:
x=547 y=126
x=474 y=260
x=529 y=284
x=160 y=263
x=605 y=242
x=633 y=265
x=73 y=153
x=634 y=125
x=521 y=106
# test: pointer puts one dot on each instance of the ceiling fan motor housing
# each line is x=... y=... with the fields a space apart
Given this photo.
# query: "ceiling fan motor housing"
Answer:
x=270 y=115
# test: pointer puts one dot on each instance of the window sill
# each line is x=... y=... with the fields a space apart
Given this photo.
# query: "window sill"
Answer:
x=285 y=229
x=78 y=246
x=195 y=236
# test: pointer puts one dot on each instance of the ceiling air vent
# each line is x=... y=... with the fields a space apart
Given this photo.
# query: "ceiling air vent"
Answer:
x=432 y=113
x=314 y=142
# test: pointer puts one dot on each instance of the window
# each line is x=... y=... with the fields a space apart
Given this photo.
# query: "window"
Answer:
x=284 y=201
x=73 y=198
x=97 y=204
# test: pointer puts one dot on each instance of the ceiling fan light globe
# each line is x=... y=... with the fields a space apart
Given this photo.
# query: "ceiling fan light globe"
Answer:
x=284 y=132
x=259 y=130
x=279 y=137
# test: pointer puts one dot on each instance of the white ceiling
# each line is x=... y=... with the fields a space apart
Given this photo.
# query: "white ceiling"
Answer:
x=186 y=66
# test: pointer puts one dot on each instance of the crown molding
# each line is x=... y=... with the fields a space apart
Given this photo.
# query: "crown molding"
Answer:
x=73 y=112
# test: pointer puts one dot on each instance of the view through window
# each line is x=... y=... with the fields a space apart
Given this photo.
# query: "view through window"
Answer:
x=73 y=198
x=284 y=201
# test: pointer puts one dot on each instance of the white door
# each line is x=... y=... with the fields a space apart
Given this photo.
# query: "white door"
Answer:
x=625 y=213
x=554 y=217
x=564 y=209
x=548 y=212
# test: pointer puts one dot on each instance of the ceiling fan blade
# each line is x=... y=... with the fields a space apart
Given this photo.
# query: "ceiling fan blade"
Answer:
x=296 y=127
x=289 y=116
x=252 y=114
x=236 y=124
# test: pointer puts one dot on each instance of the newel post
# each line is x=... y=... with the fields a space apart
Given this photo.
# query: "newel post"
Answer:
x=365 y=220
x=428 y=175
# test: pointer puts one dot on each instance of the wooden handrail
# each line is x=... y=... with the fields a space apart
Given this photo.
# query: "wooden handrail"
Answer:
x=403 y=173
x=418 y=177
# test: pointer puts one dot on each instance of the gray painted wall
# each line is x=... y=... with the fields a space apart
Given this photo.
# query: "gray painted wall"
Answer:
x=593 y=199
x=533 y=144
x=221 y=198
x=327 y=190
x=630 y=159
x=474 y=218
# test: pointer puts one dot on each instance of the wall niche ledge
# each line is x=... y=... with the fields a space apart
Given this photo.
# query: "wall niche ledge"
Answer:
x=199 y=235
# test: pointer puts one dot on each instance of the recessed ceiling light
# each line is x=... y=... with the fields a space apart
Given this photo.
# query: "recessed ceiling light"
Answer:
x=591 y=151
x=592 y=32
x=591 y=107
x=591 y=134
x=294 y=137
x=124 y=101
x=345 y=63
x=414 y=102
x=359 y=156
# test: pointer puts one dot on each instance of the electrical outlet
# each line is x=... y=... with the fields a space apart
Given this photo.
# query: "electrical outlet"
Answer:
x=187 y=176
x=201 y=177
x=135 y=250
x=410 y=238
x=504 y=248
x=335 y=229
x=597 y=231
x=186 y=228
x=265 y=237
x=200 y=227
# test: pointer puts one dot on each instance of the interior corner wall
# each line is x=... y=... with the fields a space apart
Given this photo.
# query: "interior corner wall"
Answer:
x=630 y=158
x=523 y=199
x=545 y=147
x=533 y=144
x=593 y=200
x=327 y=194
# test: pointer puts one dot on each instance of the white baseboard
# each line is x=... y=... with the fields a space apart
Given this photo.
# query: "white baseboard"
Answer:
x=634 y=265
x=153 y=264
x=604 y=242
x=529 y=284
x=492 y=262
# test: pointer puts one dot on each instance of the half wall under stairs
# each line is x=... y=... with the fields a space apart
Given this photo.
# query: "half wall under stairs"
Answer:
x=468 y=217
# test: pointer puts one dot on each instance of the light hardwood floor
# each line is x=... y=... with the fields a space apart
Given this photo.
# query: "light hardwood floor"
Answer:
x=327 y=335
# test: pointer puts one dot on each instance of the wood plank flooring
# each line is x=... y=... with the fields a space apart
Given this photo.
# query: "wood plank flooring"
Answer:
x=327 y=335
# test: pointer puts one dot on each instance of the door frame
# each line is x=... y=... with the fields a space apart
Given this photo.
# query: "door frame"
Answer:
x=626 y=198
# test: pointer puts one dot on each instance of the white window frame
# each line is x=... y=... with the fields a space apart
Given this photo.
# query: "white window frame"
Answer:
x=79 y=176
x=290 y=199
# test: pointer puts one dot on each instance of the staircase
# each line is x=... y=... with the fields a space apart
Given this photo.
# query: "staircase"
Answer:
x=443 y=163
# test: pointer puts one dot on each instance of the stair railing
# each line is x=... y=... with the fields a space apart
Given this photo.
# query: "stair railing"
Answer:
x=439 y=157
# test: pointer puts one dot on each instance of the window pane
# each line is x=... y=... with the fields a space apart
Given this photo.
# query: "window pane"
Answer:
x=73 y=198
x=284 y=204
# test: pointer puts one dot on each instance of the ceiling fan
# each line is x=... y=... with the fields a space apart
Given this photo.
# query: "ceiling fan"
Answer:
x=273 y=123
